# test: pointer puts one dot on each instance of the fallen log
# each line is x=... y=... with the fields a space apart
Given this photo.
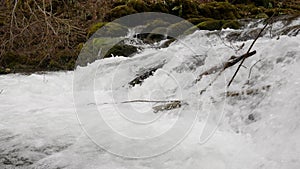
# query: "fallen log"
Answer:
x=232 y=61
x=167 y=106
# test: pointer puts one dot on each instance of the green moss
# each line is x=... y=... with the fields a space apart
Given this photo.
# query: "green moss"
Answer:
x=79 y=46
x=119 y=3
x=95 y=27
x=138 y=5
x=261 y=16
x=189 y=9
x=160 y=30
x=233 y=24
x=240 y=1
x=159 y=6
x=155 y=24
x=108 y=47
x=178 y=29
x=54 y=65
x=119 y=12
x=218 y=10
x=101 y=42
x=196 y=21
x=111 y=29
x=210 y=25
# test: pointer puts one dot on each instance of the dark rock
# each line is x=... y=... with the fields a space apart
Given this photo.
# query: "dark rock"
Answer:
x=167 y=43
x=121 y=49
x=144 y=75
x=156 y=35
x=251 y=117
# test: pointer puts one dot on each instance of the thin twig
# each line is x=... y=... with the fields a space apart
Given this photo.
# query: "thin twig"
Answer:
x=150 y=101
x=225 y=65
x=252 y=68
x=204 y=90
x=235 y=73
x=13 y=17
x=142 y=101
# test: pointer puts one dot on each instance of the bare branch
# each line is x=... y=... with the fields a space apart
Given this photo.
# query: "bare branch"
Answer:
x=235 y=73
x=225 y=65
x=252 y=68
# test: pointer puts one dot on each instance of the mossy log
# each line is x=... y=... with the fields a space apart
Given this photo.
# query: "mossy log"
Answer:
x=167 y=106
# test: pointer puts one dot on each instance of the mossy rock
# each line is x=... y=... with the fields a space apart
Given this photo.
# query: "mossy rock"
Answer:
x=95 y=27
x=189 y=9
x=178 y=29
x=119 y=3
x=158 y=34
x=210 y=25
x=95 y=49
x=261 y=16
x=264 y=3
x=121 y=49
x=119 y=12
x=240 y=1
x=232 y=24
x=280 y=11
x=191 y=30
x=155 y=24
x=245 y=10
x=138 y=5
x=257 y=10
x=196 y=21
x=111 y=29
x=218 y=10
x=159 y=6
x=160 y=30
x=184 y=8
x=104 y=47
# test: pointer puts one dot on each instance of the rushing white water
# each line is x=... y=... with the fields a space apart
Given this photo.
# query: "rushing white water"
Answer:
x=39 y=126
